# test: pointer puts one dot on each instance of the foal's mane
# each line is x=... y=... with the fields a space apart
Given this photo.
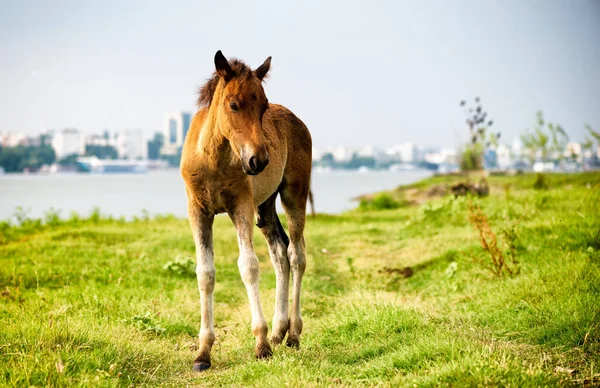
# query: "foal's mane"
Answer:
x=208 y=89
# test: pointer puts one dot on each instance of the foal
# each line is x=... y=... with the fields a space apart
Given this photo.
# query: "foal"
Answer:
x=239 y=154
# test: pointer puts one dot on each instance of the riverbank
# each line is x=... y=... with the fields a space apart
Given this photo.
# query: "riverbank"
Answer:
x=163 y=192
x=400 y=296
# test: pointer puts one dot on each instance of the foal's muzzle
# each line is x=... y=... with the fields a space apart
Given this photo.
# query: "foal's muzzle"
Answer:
x=254 y=163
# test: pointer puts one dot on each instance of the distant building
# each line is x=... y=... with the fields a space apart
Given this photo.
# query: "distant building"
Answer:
x=503 y=156
x=100 y=140
x=132 y=144
x=176 y=127
x=68 y=142
x=33 y=141
x=405 y=153
x=490 y=158
x=370 y=151
x=517 y=151
x=574 y=151
x=408 y=152
x=317 y=154
x=445 y=155
x=342 y=154
x=12 y=139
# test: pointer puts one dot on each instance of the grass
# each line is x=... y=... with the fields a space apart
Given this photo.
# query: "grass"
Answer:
x=103 y=302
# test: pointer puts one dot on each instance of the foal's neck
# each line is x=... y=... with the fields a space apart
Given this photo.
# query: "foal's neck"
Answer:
x=212 y=144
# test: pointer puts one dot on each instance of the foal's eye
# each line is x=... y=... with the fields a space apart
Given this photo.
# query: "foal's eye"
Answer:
x=233 y=106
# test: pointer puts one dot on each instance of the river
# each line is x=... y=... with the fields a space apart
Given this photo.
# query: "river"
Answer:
x=162 y=192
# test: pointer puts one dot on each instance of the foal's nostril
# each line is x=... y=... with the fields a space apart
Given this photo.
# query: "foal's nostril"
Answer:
x=252 y=163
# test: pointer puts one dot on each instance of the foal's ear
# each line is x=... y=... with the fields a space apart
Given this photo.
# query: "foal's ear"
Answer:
x=263 y=69
x=222 y=66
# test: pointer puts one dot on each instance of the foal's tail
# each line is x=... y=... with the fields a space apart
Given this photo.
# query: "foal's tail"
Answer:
x=312 y=203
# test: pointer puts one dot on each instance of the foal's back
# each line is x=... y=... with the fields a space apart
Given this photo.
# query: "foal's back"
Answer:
x=290 y=137
x=299 y=142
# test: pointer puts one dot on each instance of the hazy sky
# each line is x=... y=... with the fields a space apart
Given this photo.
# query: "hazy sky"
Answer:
x=356 y=72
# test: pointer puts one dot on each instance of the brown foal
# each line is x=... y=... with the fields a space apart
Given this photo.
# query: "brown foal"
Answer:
x=239 y=154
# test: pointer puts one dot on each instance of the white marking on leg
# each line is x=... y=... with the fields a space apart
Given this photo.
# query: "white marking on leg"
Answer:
x=205 y=271
x=250 y=273
x=297 y=265
x=281 y=265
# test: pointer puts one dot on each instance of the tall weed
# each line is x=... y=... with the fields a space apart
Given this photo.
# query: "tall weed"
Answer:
x=502 y=257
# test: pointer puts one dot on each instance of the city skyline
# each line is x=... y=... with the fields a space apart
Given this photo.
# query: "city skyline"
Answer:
x=19 y=137
x=339 y=152
x=130 y=150
x=350 y=71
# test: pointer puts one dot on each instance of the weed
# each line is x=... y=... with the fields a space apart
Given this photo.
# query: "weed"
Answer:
x=540 y=182
x=145 y=215
x=350 y=262
x=489 y=243
x=541 y=201
x=510 y=235
x=146 y=323
x=182 y=265
x=20 y=215
x=95 y=215
x=52 y=217
x=381 y=201
x=451 y=270
x=74 y=218
x=593 y=254
x=507 y=187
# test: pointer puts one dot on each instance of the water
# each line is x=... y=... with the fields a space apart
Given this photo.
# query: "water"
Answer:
x=163 y=192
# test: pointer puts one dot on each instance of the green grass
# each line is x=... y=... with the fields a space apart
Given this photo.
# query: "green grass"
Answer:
x=102 y=302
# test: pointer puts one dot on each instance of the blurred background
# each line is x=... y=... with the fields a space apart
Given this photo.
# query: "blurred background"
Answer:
x=97 y=97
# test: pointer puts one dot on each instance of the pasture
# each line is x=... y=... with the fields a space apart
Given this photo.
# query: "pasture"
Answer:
x=397 y=297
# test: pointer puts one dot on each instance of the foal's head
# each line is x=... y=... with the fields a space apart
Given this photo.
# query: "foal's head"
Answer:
x=240 y=107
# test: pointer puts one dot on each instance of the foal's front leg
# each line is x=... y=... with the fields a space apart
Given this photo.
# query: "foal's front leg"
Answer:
x=205 y=270
x=249 y=271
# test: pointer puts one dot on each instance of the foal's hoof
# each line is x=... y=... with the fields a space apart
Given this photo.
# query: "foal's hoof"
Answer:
x=277 y=339
x=263 y=351
x=293 y=342
x=200 y=366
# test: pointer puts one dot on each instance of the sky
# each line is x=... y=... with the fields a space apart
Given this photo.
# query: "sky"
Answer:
x=356 y=72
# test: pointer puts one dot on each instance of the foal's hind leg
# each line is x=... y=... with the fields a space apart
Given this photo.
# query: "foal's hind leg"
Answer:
x=278 y=241
x=243 y=217
x=293 y=198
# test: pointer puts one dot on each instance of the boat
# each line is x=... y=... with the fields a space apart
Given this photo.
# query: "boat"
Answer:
x=49 y=168
x=402 y=167
x=94 y=165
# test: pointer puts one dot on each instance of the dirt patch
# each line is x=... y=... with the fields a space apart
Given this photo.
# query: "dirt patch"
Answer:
x=404 y=272
x=481 y=189
x=458 y=185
